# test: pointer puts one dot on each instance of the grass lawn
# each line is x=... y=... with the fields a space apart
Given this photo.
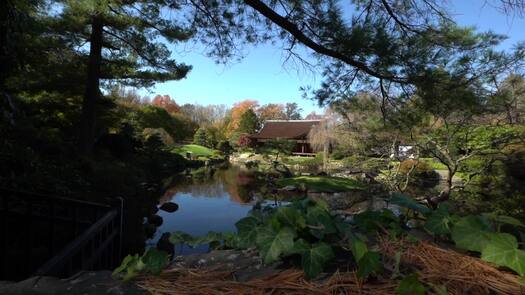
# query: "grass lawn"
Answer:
x=323 y=183
x=196 y=150
x=296 y=160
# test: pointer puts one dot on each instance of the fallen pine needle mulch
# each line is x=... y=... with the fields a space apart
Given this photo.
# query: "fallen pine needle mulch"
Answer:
x=292 y=281
x=459 y=273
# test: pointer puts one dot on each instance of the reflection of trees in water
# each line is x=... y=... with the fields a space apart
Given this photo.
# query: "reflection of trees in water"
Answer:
x=231 y=181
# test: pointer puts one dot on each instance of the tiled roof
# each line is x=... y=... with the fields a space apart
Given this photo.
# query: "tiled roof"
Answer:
x=289 y=129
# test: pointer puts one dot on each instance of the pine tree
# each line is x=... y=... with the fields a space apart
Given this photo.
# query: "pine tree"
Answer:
x=249 y=122
x=200 y=137
x=125 y=43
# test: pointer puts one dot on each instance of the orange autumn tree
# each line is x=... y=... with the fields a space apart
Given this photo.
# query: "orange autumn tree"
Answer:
x=165 y=102
x=236 y=112
x=271 y=111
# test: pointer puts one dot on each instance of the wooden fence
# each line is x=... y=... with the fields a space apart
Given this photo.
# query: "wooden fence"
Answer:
x=50 y=235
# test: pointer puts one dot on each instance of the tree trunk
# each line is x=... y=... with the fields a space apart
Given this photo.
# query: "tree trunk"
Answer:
x=444 y=195
x=325 y=157
x=92 y=92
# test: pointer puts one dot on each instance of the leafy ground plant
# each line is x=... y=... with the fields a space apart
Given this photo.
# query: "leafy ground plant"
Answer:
x=306 y=232
x=476 y=233
x=152 y=261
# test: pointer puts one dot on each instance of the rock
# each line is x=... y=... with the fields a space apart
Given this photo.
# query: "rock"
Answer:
x=165 y=245
x=169 y=207
x=290 y=188
x=358 y=207
x=154 y=209
x=88 y=283
x=155 y=220
x=244 y=265
x=149 y=230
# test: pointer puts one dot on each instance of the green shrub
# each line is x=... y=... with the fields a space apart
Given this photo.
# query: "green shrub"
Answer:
x=353 y=161
x=164 y=136
x=515 y=163
x=407 y=165
x=423 y=175
x=225 y=147
x=155 y=117
x=374 y=164
x=473 y=164
x=339 y=153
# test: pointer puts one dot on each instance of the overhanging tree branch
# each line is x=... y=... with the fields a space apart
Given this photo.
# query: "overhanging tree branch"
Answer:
x=292 y=28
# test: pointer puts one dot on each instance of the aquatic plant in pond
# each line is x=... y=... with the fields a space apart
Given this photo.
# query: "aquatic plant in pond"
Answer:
x=322 y=183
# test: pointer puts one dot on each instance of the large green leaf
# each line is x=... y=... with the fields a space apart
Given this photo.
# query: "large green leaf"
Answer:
x=407 y=202
x=509 y=220
x=344 y=229
x=272 y=243
x=155 y=261
x=503 y=250
x=247 y=231
x=212 y=238
x=368 y=264
x=503 y=219
x=128 y=265
x=290 y=217
x=152 y=261
x=246 y=224
x=314 y=259
x=358 y=248
x=410 y=285
x=367 y=221
x=320 y=203
x=320 y=222
x=439 y=222
x=471 y=233
x=370 y=221
x=231 y=240
x=179 y=237
x=299 y=246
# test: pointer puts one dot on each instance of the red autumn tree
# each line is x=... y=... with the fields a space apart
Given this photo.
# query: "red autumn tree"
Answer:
x=165 y=102
x=244 y=141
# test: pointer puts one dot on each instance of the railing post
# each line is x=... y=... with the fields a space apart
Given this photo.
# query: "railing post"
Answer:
x=75 y=220
x=28 y=255
x=51 y=227
x=121 y=226
x=5 y=225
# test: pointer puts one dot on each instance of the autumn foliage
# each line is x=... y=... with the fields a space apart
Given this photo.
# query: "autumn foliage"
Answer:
x=271 y=111
x=237 y=111
x=165 y=102
x=244 y=141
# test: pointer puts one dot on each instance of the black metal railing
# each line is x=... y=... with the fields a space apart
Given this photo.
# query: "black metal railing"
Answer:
x=49 y=235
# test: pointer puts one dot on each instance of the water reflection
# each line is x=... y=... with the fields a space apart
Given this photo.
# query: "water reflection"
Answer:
x=211 y=203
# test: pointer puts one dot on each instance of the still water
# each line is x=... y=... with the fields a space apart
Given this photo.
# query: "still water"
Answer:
x=209 y=201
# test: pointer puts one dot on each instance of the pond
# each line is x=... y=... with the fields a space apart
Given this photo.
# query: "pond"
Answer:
x=209 y=200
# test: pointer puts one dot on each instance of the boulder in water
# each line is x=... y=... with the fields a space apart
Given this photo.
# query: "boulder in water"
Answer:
x=149 y=230
x=155 y=220
x=169 y=207
x=164 y=244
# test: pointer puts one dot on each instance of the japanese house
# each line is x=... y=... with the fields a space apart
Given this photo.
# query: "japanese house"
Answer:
x=295 y=130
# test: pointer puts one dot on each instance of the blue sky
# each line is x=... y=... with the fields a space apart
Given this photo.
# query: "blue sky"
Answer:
x=261 y=75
